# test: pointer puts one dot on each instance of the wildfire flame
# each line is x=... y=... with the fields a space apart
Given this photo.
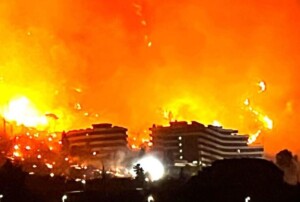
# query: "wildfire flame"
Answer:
x=252 y=137
x=118 y=62
x=22 y=111
x=267 y=123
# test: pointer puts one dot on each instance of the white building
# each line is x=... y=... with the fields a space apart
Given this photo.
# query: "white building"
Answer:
x=198 y=145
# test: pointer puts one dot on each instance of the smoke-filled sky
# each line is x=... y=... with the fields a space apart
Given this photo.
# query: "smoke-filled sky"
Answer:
x=127 y=62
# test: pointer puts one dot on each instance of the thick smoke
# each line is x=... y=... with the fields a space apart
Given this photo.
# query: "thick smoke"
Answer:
x=127 y=61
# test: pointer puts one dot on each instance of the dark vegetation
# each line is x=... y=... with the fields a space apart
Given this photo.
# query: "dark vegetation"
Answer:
x=227 y=180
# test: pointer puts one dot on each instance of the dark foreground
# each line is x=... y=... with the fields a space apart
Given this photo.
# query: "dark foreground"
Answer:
x=227 y=180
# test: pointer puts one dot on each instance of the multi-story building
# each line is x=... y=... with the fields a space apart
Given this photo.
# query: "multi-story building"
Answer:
x=195 y=144
x=99 y=142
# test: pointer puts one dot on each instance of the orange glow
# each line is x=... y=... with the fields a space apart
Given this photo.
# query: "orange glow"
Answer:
x=22 y=112
x=130 y=63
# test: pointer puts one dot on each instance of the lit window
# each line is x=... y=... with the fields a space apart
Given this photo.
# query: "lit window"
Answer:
x=180 y=157
x=180 y=144
x=179 y=138
x=180 y=150
x=239 y=151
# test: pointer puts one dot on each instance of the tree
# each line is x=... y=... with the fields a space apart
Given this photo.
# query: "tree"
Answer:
x=139 y=171
x=289 y=165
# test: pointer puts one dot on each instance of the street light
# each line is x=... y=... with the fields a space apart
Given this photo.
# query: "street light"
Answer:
x=247 y=199
x=150 y=198
x=64 y=198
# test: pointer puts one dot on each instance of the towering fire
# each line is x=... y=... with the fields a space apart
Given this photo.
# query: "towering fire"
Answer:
x=134 y=62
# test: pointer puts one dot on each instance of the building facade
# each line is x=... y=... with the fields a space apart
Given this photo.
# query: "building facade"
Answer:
x=195 y=144
x=101 y=141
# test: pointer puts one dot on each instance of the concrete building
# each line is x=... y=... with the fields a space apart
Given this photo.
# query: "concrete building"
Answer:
x=197 y=145
x=101 y=141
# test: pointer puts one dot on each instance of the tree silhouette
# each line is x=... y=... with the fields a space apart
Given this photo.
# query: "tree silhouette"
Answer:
x=139 y=171
x=289 y=165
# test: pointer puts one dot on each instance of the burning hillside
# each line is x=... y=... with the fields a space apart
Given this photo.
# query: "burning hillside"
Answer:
x=135 y=63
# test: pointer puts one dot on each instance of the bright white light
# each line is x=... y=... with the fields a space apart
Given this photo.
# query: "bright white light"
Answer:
x=64 y=198
x=247 y=199
x=216 y=123
x=1 y=195
x=49 y=165
x=152 y=166
x=51 y=174
x=24 y=113
x=83 y=181
x=262 y=86
x=150 y=198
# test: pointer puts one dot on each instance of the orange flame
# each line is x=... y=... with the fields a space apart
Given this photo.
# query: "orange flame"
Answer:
x=107 y=61
x=252 y=137
x=24 y=113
